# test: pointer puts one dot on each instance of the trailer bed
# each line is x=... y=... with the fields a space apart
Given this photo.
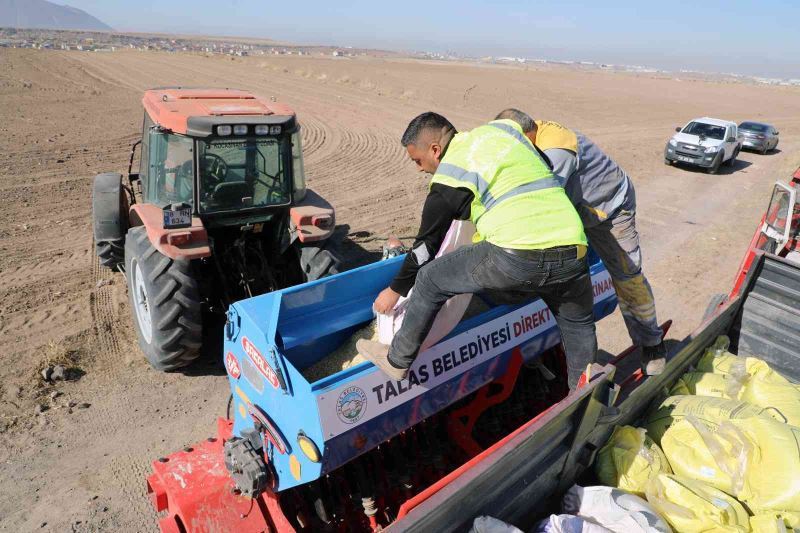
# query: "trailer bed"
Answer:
x=521 y=478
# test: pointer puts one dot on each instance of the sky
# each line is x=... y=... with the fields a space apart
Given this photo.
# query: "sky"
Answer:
x=745 y=37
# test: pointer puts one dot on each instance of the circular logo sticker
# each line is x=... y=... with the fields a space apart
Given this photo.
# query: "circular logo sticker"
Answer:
x=351 y=405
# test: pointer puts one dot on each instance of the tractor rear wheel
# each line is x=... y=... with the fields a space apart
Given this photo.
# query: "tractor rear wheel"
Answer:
x=165 y=303
x=318 y=261
x=110 y=219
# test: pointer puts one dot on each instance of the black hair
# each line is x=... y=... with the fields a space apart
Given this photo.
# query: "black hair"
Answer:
x=426 y=121
x=523 y=119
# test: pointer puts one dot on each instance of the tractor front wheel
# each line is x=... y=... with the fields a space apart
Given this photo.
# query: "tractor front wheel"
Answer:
x=318 y=261
x=165 y=303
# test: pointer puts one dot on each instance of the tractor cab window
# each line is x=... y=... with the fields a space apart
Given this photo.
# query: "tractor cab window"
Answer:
x=244 y=172
x=170 y=175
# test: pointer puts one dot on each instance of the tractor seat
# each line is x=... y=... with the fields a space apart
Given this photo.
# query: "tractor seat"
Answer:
x=233 y=194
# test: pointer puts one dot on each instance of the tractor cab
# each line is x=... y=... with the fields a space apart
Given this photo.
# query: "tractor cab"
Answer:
x=222 y=155
x=218 y=212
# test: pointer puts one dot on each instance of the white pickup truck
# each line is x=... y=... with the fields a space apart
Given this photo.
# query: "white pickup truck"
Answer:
x=704 y=142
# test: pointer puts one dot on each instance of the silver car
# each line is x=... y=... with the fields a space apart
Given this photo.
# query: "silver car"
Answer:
x=758 y=136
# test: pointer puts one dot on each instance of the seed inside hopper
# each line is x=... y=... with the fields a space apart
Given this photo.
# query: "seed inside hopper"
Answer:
x=342 y=358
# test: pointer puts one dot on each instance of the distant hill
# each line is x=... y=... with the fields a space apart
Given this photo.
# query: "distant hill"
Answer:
x=47 y=15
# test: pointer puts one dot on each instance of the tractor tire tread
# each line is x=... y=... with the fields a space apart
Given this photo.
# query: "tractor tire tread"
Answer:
x=176 y=317
x=109 y=219
x=318 y=261
x=111 y=254
x=160 y=266
x=166 y=292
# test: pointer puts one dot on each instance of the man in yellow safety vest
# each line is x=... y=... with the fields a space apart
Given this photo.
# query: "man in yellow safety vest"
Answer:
x=532 y=240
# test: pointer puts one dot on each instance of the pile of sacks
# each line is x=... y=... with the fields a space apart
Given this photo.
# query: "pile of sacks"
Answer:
x=720 y=453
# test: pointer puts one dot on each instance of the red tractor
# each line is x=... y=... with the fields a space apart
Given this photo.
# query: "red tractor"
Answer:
x=219 y=211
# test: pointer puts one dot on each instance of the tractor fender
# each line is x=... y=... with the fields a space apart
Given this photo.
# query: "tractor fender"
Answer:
x=109 y=202
x=187 y=243
x=312 y=219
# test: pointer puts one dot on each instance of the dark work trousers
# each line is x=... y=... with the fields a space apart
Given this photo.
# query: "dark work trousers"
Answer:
x=564 y=284
x=616 y=241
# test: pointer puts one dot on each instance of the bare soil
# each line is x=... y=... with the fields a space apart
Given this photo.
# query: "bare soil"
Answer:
x=65 y=116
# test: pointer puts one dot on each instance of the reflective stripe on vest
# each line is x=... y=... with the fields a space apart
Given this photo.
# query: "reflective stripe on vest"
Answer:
x=472 y=178
x=520 y=137
x=489 y=201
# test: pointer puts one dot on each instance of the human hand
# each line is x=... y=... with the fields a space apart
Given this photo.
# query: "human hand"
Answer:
x=386 y=301
x=393 y=242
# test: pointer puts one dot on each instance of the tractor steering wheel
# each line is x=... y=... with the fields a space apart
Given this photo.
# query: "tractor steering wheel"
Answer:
x=215 y=169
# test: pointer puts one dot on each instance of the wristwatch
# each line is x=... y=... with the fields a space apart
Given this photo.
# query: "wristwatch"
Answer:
x=394 y=251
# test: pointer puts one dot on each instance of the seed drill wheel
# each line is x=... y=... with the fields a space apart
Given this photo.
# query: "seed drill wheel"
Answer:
x=110 y=219
x=165 y=302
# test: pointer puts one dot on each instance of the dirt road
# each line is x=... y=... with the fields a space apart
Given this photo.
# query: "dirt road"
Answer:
x=67 y=116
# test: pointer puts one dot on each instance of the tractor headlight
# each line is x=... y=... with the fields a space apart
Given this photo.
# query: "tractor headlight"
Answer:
x=262 y=129
x=240 y=129
x=275 y=130
x=308 y=447
x=223 y=131
x=673 y=142
x=711 y=149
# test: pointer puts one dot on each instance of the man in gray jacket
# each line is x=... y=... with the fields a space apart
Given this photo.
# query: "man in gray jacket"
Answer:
x=605 y=198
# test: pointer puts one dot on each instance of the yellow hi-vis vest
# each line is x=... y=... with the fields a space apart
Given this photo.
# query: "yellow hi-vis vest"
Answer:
x=518 y=203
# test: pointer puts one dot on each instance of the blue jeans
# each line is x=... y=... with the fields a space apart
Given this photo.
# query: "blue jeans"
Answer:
x=564 y=284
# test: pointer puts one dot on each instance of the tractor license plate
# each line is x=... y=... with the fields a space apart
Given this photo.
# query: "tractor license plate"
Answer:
x=177 y=216
x=685 y=159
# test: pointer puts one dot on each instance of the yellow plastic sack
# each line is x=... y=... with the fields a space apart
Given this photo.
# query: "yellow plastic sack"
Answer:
x=719 y=360
x=774 y=522
x=707 y=384
x=629 y=459
x=777 y=395
x=705 y=409
x=755 y=459
x=772 y=474
x=694 y=507
x=760 y=384
x=697 y=452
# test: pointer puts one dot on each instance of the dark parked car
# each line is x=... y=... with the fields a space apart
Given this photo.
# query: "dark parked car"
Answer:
x=758 y=136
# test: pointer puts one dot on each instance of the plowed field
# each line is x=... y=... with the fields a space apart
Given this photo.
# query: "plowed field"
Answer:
x=65 y=116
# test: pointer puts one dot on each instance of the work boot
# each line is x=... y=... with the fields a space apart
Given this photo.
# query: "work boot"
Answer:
x=378 y=354
x=654 y=359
